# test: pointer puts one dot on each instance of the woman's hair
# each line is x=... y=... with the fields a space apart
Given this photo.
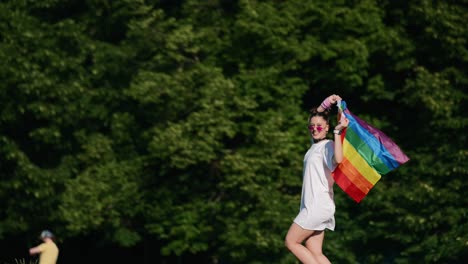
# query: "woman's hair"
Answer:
x=325 y=114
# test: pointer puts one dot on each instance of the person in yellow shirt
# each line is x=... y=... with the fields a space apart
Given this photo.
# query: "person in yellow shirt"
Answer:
x=48 y=250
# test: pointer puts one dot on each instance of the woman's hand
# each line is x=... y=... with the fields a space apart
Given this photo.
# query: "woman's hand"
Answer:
x=334 y=98
x=343 y=123
x=328 y=102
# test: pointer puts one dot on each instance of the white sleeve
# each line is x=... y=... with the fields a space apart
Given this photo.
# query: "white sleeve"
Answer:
x=329 y=152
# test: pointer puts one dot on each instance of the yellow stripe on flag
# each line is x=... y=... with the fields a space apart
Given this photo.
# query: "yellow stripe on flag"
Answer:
x=359 y=163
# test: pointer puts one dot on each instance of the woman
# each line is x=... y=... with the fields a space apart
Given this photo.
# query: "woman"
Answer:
x=317 y=206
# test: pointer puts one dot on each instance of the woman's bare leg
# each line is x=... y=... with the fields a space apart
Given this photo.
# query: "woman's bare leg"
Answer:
x=296 y=235
x=314 y=245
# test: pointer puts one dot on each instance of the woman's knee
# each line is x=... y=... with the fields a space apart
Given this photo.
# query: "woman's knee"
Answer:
x=296 y=235
x=288 y=242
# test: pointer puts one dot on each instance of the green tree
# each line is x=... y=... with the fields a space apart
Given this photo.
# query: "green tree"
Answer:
x=183 y=122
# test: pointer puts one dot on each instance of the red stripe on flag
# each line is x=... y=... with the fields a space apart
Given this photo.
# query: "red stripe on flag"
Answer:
x=347 y=186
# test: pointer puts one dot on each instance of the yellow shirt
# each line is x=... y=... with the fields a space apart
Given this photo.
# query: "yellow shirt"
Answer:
x=49 y=253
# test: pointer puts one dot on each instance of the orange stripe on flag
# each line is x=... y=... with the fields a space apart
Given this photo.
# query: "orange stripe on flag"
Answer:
x=355 y=176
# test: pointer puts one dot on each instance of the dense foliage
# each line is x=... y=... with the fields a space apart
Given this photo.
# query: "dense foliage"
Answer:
x=179 y=126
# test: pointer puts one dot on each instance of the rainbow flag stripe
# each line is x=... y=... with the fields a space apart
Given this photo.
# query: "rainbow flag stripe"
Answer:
x=368 y=154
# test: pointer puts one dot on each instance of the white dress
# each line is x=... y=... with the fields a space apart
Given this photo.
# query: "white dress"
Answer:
x=317 y=210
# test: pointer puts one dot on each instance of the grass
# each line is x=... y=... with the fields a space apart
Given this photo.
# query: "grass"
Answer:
x=22 y=261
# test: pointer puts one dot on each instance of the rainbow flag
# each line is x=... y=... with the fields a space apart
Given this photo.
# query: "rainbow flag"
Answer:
x=368 y=154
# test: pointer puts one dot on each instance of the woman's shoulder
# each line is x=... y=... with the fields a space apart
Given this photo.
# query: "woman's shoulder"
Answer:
x=329 y=144
x=326 y=142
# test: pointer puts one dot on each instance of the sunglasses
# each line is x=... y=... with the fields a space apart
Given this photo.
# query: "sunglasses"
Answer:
x=314 y=127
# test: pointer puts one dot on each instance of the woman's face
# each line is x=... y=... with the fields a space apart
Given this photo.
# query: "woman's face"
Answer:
x=318 y=127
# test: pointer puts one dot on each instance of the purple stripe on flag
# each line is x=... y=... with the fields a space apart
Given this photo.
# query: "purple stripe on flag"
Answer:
x=391 y=147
